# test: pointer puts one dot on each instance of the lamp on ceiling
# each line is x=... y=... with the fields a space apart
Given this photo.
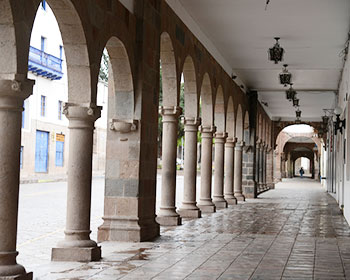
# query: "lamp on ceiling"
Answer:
x=338 y=124
x=291 y=93
x=276 y=52
x=285 y=76
x=295 y=102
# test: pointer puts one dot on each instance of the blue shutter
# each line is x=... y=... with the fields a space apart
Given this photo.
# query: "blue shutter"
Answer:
x=59 y=153
x=41 y=151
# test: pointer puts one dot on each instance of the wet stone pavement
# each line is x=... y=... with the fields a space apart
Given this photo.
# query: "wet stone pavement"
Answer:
x=293 y=232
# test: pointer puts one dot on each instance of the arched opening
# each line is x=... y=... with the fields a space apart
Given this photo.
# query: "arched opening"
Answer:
x=59 y=64
x=207 y=109
x=239 y=124
x=230 y=119
x=302 y=167
x=293 y=142
x=220 y=118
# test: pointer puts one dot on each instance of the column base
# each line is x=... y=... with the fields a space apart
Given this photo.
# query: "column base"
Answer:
x=207 y=208
x=26 y=276
x=169 y=220
x=190 y=213
x=220 y=204
x=231 y=201
x=127 y=229
x=240 y=197
x=75 y=254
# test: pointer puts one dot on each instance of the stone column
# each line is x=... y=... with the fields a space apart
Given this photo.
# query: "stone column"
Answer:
x=167 y=215
x=205 y=203
x=261 y=166
x=218 y=193
x=264 y=166
x=77 y=245
x=189 y=207
x=229 y=163
x=283 y=165
x=237 y=182
x=257 y=171
x=12 y=95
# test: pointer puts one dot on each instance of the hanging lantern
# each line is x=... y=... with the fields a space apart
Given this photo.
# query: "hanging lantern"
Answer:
x=325 y=120
x=291 y=93
x=276 y=52
x=285 y=76
x=298 y=113
x=295 y=102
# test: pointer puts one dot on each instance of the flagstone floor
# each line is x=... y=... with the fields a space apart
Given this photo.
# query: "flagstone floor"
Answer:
x=293 y=232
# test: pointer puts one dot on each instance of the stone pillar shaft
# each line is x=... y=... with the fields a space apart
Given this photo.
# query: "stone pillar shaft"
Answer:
x=218 y=194
x=77 y=245
x=12 y=95
x=205 y=204
x=264 y=165
x=229 y=169
x=261 y=166
x=257 y=171
x=238 y=171
x=167 y=215
x=189 y=207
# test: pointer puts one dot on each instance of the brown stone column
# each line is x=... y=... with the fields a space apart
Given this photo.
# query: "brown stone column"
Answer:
x=167 y=215
x=229 y=167
x=264 y=165
x=189 y=207
x=205 y=203
x=77 y=245
x=261 y=166
x=237 y=183
x=12 y=95
x=218 y=193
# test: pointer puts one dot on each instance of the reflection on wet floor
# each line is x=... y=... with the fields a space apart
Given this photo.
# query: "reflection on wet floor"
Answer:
x=294 y=232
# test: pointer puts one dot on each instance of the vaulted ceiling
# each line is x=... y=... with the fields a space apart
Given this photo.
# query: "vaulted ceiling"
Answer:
x=313 y=34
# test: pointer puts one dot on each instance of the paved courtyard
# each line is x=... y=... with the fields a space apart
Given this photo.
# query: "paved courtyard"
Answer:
x=293 y=232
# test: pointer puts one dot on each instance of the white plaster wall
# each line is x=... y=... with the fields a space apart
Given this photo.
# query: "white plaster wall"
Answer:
x=46 y=25
x=343 y=102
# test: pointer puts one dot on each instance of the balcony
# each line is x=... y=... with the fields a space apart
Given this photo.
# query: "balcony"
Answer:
x=43 y=64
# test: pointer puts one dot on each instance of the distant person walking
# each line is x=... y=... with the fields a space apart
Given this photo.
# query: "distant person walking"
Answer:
x=301 y=171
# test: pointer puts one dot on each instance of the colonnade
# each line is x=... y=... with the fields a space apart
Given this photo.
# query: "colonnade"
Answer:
x=227 y=187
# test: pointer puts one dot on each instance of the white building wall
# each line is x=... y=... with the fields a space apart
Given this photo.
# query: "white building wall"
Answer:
x=57 y=90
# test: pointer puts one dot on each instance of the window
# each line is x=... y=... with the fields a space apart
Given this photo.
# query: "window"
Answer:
x=61 y=51
x=21 y=158
x=59 y=149
x=59 y=109
x=43 y=44
x=43 y=106
x=43 y=5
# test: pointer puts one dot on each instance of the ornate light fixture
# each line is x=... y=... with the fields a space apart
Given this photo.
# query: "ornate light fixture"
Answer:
x=276 y=52
x=291 y=93
x=285 y=76
x=338 y=124
x=295 y=102
x=298 y=113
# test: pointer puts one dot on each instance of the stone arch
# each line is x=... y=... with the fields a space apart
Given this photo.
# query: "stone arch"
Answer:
x=219 y=111
x=239 y=124
x=246 y=129
x=168 y=69
x=207 y=102
x=190 y=89
x=230 y=118
x=9 y=62
x=121 y=94
x=76 y=51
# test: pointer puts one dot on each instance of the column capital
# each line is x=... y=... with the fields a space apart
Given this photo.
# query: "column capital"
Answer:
x=231 y=142
x=191 y=124
x=170 y=112
x=220 y=137
x=81 y=115
x=207 y=131
x=240 y=144
x=14 y=92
